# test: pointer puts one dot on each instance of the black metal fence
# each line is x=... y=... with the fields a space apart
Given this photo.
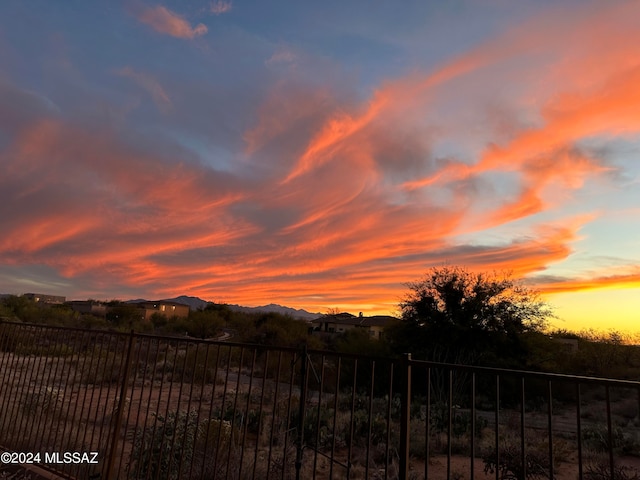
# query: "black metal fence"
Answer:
x=150 y=407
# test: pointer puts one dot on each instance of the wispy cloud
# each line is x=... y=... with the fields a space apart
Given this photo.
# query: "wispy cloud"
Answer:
x=164 y=21
x=281 y=56
x=220 y=6
x=150 y=84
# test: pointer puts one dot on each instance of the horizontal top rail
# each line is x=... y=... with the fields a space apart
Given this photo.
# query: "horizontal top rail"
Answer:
x=528 y=373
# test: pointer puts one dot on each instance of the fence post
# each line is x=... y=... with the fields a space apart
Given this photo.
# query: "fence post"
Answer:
x=301 y=409
x=405 y=418
x=121 y=406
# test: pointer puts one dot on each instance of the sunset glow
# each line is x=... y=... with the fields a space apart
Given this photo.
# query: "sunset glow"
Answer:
x=321 y=155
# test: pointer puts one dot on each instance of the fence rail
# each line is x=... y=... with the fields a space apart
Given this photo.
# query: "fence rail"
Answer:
x=154 y=407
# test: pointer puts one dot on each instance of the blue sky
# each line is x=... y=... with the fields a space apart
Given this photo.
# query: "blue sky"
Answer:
x=321 y=155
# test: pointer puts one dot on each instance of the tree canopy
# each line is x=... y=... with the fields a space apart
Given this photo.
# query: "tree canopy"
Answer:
x=478 y=314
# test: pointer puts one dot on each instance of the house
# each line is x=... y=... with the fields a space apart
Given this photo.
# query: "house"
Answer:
x=163 y=307
x=46 y=299
x=90 y=307
x=343 y=322
x=570 y=345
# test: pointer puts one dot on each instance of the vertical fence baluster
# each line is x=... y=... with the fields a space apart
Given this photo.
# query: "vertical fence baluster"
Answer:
x=370 y=422
x=523 y=451
x=351 y=420
x=205 y=372
x=93 y=366
x=144 y=431
x=335 y=418
x=473 y=424
x=427 y=427
x=288 y=418
x=273 y=412
x=301 y=410
x=260 y=410
x=235 y=410
x=405 y=418
x=167 y=410
x=449 y=422
x=52 y=392
x=187 y=416
x=318 y=415
x=550 y=428
x=120 y=408
x=579 y=429
x=609 y=432
x=245 y=423
x=79 y=410
x=388 y=439
x=497 y=430
x=193 y=446
x=25 y=393
x=205 y=449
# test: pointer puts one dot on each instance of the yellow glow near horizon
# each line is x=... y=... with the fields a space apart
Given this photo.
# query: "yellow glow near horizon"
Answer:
x=601 y=310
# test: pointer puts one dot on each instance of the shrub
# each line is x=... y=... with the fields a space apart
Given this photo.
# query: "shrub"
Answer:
x=47 y=400
x=602 y=471
x=159 y=450
x=509 y=465
x=623 y=442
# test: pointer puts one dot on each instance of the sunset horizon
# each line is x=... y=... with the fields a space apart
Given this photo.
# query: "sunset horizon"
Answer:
x=322 y=156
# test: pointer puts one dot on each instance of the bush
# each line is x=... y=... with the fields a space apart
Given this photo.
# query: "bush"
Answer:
x=159 y=450
x=623 y=443
x=46 y=400
x=510 y=464
x=602 y=471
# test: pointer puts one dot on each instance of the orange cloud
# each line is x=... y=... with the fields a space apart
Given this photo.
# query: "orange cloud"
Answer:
x=597 y=282
x=163 y=20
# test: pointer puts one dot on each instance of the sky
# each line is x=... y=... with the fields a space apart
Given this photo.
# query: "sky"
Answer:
x=321 y=154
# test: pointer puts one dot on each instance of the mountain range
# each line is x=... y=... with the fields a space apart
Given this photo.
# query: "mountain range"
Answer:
x=196 y=303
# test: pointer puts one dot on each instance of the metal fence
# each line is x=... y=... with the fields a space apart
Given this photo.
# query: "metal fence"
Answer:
x=150 y=407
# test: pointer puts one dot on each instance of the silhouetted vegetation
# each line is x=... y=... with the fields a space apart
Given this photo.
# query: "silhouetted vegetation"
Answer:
x=452 y=316
x=457 y=316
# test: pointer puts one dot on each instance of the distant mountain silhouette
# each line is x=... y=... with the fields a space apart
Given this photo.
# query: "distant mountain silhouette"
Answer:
x=196 y=303
x=272 y=307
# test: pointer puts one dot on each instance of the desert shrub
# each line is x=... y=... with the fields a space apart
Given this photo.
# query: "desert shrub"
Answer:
x=197 y=365
x=159 y=450
x=313 y=435
x=361 y=428
x=254 y=419
x=47 y=400
x=622 y=442
x=460 y=421
x=44 y=350
x=626 y=409
x=602 y=471
x=509 y=465
x=216 y=449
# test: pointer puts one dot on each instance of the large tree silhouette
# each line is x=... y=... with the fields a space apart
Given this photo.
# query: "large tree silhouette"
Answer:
x=456 y=315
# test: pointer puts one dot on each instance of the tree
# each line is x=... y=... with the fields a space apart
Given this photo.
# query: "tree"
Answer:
x=470 y=316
